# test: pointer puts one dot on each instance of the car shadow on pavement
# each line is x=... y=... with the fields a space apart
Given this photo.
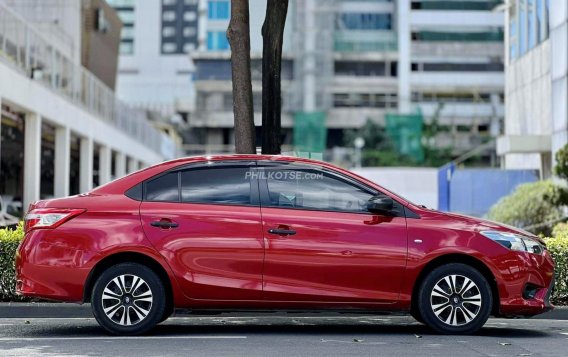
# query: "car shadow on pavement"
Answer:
x=168 y=328
x=187 y=327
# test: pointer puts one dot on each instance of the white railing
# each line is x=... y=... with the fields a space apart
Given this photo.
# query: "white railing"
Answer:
x=26 y=49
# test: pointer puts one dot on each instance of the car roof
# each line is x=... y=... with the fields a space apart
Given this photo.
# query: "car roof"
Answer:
x=125 y=183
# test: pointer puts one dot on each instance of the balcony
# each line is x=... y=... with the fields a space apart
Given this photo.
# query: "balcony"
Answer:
x=29 y=52
x=455 y=80
x=365 y=41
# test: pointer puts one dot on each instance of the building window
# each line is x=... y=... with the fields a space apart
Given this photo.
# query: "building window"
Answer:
x=457 y=67
x=121 y=3
x=531 y=23
x=190 y=2
x=169 y=2
x=168 y=31
x=217 y=41
x=126 y=16
x=126 y=48
x=461 y=5
x=364 y=21
x=542 y=19
x=523 y=31
x=127 y=33
x=360 y=68
x=169 y=16
x=189 y=31
x=437 y=36
x=189 y=16
x=218 y=9
x=188 y=47
x=169 y=47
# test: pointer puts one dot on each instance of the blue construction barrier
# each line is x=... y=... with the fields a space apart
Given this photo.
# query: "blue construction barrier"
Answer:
x=474 y=191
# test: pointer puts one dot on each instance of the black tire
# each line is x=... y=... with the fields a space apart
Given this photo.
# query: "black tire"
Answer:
x=145 y=305
x=168 y=312
x=461 y=302
x=416 y=315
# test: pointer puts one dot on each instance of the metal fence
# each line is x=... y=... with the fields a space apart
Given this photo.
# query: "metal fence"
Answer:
x=28 y=51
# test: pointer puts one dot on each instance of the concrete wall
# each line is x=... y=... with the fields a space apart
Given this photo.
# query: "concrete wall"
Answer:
x=149 y=79
x=419 y=185
x=559 y=72
x=528 y=102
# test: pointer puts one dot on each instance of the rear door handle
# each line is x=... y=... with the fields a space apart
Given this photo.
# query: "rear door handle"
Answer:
x=164 y=224
x=282 y=232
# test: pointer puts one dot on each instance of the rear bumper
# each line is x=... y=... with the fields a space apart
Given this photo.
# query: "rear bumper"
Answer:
x=50 y=271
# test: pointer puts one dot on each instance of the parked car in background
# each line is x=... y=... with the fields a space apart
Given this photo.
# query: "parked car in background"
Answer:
x=273 y=233
x=7 y=220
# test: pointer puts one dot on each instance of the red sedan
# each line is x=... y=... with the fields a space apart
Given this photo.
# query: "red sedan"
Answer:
x=279 y=233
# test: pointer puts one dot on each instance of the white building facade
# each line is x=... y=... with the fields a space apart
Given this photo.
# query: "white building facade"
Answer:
x=63 y=131
x=154 y=70
x=357 y=60
x=536 y=124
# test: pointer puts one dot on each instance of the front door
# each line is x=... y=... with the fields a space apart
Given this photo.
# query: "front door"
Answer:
x=322 y=244
x=205 y=221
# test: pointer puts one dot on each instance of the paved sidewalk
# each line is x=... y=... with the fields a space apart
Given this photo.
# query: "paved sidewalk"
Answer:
x=292 y=335
x=63 y=310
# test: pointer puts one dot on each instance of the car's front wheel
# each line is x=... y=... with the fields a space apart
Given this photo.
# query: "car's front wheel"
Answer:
x=128 y=299
x=455 y=299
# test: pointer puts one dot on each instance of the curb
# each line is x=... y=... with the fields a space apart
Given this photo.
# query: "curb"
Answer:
x=63 y=310
x=44 y=310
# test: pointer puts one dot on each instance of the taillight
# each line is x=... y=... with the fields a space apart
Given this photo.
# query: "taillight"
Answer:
x=49 y=217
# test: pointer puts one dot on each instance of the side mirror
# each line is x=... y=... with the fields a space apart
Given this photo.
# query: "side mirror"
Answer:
x=381 y=204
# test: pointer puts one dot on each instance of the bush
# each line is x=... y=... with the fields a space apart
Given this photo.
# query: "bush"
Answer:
x=9 y=241
x=531 y=204
x=558 y=248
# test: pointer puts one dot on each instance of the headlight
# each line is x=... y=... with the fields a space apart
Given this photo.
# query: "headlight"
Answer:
x=515 y=241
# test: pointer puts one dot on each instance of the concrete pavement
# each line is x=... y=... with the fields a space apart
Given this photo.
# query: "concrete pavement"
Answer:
x=275 y=334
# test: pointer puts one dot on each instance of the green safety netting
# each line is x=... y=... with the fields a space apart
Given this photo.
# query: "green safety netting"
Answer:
x=310 y=132
x=405 y=130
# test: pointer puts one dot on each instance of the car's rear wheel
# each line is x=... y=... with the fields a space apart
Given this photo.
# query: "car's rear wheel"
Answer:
x=455 y=299
x=128 y=299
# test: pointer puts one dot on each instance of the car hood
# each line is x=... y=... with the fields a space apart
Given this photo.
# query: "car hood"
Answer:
x=479 y=224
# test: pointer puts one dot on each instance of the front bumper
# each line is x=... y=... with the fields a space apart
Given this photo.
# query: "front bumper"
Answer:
x=537 y=272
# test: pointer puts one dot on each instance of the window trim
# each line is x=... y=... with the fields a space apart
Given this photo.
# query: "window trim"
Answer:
x=254 y=185
x=264 y=192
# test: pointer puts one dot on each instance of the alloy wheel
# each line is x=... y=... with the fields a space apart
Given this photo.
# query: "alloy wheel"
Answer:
x=127 y=300
x=456 y=300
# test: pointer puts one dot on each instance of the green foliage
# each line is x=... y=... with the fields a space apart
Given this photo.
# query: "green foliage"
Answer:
x=375 y=136
x=378 y=158
x=380 y=150
x=9 y=241
x=530 y=204
x=561 y=168
x=557 y=245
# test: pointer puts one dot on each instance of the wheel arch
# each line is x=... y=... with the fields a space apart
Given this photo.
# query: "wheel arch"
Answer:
x=129 y=257
x=462 y=259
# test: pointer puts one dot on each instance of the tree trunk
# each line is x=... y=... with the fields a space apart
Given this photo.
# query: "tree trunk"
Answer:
x=272 y=35
x=238 y=35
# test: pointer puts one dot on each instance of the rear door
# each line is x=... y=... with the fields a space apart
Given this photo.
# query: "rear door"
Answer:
x=205 y=220
x=322 y=244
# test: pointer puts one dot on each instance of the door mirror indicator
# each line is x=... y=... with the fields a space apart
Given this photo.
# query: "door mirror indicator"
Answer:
x=380 y=204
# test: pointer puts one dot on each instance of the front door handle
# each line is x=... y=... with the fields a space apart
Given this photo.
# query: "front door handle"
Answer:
x=282 y=232
x=164 y=224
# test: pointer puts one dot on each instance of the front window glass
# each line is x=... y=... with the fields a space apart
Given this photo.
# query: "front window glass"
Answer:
x=315 y=190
